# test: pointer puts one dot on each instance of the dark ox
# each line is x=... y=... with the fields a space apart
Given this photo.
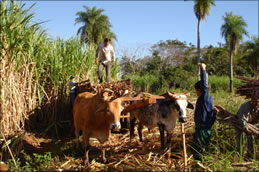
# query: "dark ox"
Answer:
x=164 y=114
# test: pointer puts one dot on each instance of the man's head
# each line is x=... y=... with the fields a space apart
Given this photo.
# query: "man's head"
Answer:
x=107 y=41
x=72 y=77
x=197 y=87
x=255 y=98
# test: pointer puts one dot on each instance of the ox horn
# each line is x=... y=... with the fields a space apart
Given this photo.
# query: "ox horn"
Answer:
x=188 y=94
x=105 y=94
x=172 y=94
x=107 y=90
x=125 y=92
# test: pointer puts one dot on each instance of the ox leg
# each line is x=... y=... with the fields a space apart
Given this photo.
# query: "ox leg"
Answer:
x=132 y=126
x=162 y=135
x=140 y=131
x=87 y=147
x=77 y=137
x=103 y=155
x=168 y=140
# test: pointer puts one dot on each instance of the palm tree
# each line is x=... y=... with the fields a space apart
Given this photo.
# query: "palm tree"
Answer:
x=201 y=10
x=233 y=30
x=96 y=26
x=252 y=55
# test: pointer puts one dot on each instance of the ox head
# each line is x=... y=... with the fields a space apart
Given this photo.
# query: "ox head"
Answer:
x=106 y=94
x=180 y=104
x=111 y=108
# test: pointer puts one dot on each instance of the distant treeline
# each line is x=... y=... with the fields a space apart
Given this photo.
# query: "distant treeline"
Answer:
x=173 y=65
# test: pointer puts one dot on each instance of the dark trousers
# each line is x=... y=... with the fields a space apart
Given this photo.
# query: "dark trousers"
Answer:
x=72 y=99
x=107 y=67
x=200 y=142
x=240 y=142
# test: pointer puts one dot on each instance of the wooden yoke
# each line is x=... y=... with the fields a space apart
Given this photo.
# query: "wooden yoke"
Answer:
x=143 y=102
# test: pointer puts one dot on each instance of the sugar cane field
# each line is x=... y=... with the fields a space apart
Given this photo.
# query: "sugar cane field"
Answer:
x=37 y=121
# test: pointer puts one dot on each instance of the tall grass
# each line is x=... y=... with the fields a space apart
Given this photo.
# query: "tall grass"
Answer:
x=157 y=85
x=223 y=144
x=35 y=70
x=219 y=83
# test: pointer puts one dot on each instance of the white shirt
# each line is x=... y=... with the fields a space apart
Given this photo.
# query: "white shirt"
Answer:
x=72 y=86
x=105 y=53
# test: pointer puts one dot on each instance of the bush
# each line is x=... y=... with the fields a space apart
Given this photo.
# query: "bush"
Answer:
x=219 y=83
x=33 y=163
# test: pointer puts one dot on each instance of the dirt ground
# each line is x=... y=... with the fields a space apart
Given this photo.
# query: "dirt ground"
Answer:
x=122 y=155
x=120 y=152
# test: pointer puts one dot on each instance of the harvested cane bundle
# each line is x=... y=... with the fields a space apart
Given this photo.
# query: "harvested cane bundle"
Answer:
x=249 y=89
x=227 y=117
x=119 y=88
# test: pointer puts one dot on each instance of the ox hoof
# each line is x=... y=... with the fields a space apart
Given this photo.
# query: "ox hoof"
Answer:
x=86 y=163
x=167 y=148
x=105 y=161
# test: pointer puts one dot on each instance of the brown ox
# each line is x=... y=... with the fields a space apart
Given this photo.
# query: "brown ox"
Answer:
x=95 y=115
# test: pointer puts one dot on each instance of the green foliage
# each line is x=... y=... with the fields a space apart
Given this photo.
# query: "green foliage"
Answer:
x=49 y=62
x=223 y=147
x=142 y=83
x=154 y=66
x=252 y=53
x=233 y=30
x=33 y=163
x=177 y=77
x=220 y=83
x=217 y=60
x=202 y=8
x=96 y=26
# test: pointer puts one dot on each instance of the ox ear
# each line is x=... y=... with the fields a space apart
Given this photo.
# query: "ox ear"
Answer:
x=188 y=94
x=172 y=95
x=190 y=105
x=169 y=93
x=106 y=94
x=101 y=109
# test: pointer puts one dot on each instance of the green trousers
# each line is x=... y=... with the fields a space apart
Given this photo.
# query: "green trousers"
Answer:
x=200 y=142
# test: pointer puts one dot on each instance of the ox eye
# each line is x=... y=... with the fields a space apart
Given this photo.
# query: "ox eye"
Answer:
x=177 y=107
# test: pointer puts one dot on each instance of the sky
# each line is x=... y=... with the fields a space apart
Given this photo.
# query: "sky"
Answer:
x=143 y=23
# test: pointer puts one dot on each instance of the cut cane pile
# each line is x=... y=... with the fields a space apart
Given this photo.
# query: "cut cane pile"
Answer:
x=249 y=89
x=119 y=88
x=136 y=156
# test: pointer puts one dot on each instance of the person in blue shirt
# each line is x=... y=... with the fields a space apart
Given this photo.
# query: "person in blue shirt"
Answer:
x=72 y=90
x=204 y=116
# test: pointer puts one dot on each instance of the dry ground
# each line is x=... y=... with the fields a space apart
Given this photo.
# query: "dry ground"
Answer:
x=121 y=154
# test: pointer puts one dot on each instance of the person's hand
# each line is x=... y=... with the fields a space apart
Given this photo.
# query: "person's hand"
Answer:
x=96 y=61
x=216 y=110
x=203 y=66
x=113 y=62
x=249 y=132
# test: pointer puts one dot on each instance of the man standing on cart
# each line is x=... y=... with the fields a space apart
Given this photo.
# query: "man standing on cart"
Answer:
x=106 y=55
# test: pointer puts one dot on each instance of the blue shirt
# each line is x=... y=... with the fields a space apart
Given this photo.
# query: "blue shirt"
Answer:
x=204 y=115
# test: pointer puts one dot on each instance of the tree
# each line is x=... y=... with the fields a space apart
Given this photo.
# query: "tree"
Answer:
x=217 y=58
x=252 y=55
x=96 y=26
x=233 y=30
x=155 y=65
x=172 y=52
x=201 y=9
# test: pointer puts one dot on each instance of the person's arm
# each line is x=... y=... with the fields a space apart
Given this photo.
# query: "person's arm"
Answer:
x=97 y=54
x=113 y=54
x=82 y=82
x=242 y=115
x=204 y=78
